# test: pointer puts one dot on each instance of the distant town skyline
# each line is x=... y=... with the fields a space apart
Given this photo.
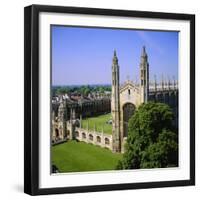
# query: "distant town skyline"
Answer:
x=83 y=56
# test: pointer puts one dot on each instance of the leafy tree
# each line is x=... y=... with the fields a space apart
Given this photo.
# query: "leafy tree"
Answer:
x=86 y=91
x=62 y=90
x=101 y=89
x=152 y=139
x=83 y=89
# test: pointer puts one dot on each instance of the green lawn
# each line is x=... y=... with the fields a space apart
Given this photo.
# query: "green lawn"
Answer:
x=75 y=156
x=99 y=122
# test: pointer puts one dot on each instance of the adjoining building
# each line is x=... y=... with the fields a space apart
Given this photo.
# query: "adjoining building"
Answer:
x=124 y=100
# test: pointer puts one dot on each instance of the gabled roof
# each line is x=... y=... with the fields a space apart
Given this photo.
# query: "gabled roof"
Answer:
x=128 y=84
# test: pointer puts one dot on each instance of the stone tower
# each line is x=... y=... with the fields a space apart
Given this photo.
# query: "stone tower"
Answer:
x=115 y=107
x=72 y=124
x=62 y=120
x=144 y=76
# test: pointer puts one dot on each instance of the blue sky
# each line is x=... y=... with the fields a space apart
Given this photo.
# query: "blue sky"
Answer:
x=84 y=55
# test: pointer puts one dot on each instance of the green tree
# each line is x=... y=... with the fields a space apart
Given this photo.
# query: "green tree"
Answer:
x=62 y=90
x=152 y=139
x=85 y=90
x=101 y=89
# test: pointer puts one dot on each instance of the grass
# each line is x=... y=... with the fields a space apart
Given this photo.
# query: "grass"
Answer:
x=74 y=156
x=98 y=122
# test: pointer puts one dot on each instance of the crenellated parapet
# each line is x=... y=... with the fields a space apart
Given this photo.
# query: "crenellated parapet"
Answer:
x=166 y=84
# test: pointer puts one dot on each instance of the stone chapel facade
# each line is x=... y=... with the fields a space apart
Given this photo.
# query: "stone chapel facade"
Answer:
x=127 y=97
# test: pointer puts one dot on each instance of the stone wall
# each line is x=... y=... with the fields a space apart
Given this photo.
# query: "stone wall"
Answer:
x=93 y=137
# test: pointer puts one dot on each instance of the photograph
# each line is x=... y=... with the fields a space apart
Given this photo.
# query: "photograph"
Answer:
x=109 y=99
x=114 y=99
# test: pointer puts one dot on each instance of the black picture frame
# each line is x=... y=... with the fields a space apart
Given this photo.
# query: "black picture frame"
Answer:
x=31 y=98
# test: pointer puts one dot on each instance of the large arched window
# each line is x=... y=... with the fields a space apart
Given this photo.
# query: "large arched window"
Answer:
x=128 y=111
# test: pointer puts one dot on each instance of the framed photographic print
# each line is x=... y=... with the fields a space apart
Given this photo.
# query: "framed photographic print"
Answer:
x=109 y=100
